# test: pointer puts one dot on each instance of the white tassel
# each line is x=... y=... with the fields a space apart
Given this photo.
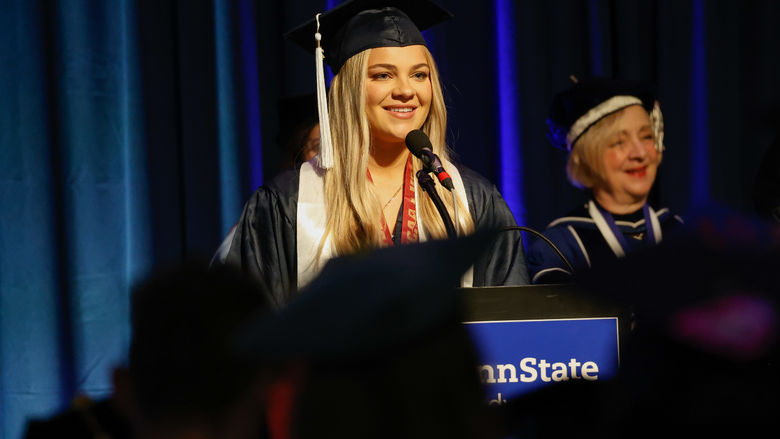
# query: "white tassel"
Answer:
x=326 y=144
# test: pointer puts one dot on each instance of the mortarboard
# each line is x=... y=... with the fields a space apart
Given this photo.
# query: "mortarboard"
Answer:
x=704 y=346
x=713 y=287
x=353 y=27
x=366 y=303
x=582 y=105
x=364 y=330
x=357 y=25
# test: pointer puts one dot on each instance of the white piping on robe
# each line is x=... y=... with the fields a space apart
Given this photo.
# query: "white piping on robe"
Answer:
x=607 y=233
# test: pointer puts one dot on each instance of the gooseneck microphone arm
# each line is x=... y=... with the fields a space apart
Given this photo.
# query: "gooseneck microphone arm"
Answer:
x=426 y=182
x=546 y=240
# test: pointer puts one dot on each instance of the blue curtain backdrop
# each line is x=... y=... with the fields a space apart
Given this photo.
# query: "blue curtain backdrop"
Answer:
x=74 y=229
x=131 y=132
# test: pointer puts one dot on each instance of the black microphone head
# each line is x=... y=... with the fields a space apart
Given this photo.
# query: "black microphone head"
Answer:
x=416 y=141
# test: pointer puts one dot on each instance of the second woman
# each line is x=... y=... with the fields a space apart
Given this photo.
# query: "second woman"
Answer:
x=613 y=131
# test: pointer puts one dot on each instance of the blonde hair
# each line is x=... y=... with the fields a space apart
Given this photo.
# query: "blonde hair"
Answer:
x=353 y=212
x=585 y=166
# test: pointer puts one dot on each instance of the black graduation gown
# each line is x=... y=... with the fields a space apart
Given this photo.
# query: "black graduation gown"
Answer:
x=264 y=242
x=579 y=239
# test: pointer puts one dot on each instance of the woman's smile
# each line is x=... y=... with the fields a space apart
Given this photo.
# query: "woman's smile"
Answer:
x=638 y=172
x=402 y=111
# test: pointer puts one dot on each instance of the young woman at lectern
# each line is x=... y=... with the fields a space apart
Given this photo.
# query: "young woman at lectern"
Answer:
x=613 y=131
x=360 y=191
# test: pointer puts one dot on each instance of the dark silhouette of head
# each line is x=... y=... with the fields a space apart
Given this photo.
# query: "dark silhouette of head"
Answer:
x=374 y=347
x=182 y=371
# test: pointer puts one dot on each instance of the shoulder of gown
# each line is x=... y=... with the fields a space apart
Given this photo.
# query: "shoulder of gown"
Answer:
x=574 y=234
x=264 y=239
x=504 y=263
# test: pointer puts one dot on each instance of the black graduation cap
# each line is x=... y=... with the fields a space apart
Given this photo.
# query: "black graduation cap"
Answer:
x=704 y=347
x=357 y=25
x=364 y=304
x=586 y=102
x=364 y=331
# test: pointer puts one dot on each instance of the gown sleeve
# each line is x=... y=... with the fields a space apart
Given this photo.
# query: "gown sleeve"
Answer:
x=544 y=264
x=582 y=245
x=264 y=241
x=504 y=263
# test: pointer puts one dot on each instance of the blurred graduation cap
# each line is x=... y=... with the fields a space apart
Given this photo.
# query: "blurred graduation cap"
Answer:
x=354 y=26
x=586 y=102
x=364 y=304
x=714 y=288
x=704 y=349
x=365 y=330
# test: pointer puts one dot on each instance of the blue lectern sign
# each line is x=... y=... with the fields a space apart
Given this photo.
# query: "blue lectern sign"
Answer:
x=520 y=356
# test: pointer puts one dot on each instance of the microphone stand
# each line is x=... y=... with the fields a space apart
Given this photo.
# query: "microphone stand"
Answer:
x=426 y=182
x=546 y=240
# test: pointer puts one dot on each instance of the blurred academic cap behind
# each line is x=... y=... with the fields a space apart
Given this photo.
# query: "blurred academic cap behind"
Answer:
x=704 y=347
x=363 y=303
x=380 y=340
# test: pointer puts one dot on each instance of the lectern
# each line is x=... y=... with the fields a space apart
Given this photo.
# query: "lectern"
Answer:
x=531 y=336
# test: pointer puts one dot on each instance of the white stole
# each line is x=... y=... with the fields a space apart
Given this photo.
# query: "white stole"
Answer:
x=310 y=227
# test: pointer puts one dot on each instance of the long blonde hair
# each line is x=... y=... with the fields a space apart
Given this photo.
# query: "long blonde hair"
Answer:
x=354 y=214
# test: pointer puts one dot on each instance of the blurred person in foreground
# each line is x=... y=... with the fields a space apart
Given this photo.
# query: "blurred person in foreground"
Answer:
x=613 y=131
x=704 y=351
x=183 y=380
x=86 y=418
x=369 y=354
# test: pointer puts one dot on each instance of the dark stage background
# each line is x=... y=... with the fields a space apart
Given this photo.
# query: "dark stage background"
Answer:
x=131 y=132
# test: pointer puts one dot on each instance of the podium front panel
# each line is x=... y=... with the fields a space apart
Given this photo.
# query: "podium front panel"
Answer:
x=532 y=336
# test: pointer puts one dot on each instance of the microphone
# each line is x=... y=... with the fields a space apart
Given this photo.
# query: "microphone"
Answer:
x=420 y=145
